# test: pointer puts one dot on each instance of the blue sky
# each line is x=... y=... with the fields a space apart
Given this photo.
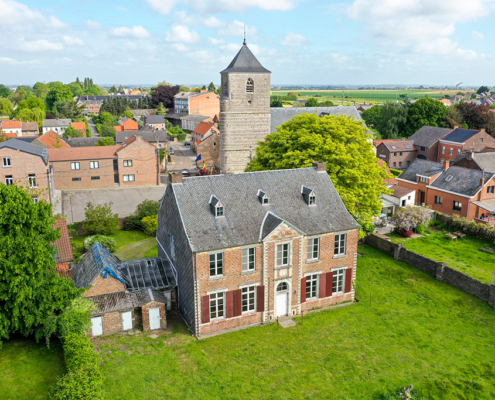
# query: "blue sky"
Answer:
x=300 y=41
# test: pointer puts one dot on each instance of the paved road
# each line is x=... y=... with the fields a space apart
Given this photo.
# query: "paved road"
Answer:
x=183 y=157
x=92 y=127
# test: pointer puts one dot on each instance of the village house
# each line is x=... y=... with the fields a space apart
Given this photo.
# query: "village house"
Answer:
x=426 y=139
x=128 y=125
x=57 y=125
x=135 y=162
x=158 y=138
x=156 y=122
x=483 y=161
x=460 y=140
x=252 y=247
x=30 y=129
x=80 y=126
x=400 y=197
x=398 y=154
x=199 y=133
x=50 y=140
x=202 y=103
x=118 y=287
x=11 y=128
x=209 y=149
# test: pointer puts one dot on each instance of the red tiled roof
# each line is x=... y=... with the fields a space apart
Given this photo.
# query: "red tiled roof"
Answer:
x=10 y=135
x=119 y=128
x=82 y=153
x=130 y=125
x=79 y=125
x=203 y=128
x=378 y=142
x=63 y=245
x=399 y=145
x=8 y=124
x=53 y=140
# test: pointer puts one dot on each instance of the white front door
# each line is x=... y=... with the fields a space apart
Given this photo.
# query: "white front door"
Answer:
x=154 y=318
x=127 y=320
x=97 y=326
x=282 y=302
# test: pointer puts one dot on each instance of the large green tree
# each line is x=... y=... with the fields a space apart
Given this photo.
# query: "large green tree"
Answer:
x=4 y=91
x=31 y=291
x=392 y=121
x=342 y=143
x=58 y=92
x=41 y=89
x=372 y=116
x=425 y=111
x=6 y=107
x=31 y=115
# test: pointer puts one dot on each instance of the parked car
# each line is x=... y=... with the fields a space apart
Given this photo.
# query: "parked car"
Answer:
x=170 y=150
x=185 y=172
x=187 y=144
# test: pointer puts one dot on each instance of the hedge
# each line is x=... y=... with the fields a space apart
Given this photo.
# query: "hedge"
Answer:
x=83 y=380
x=482 y=231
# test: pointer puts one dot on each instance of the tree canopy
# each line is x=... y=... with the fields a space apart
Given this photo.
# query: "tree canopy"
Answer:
x=4 y=91
x=31 y=291
x=6 y=107
x=312 y=102
x=425 y=111
x=342 y=143
x=483 y=89
x=164 y=94
x=392 y=120
x=211 y=87
x=58 y=93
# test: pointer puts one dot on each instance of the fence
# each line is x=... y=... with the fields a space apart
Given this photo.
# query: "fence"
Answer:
x=439 y=270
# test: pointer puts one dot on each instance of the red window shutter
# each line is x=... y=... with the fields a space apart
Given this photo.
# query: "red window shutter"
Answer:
x=260 y=298
x=303 y=290
x=329 y=283
x=323 y=286
x=206 y=309
x=237 y=302
x=230 y=303
x=348 y=280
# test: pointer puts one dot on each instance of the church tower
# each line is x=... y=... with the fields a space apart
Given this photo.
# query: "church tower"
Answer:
x=244 y=110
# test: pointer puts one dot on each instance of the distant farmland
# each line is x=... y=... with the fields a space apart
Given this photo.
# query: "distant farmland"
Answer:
x=362 y=96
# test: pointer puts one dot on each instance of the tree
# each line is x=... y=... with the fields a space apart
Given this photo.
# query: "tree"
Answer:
x=31 y=291
x=164 y=94
x=128 y=114
x=72 y=132
x=312 y=102
x=160 y=110
x=211 y=87
x=100 y=219
x=204 y=87
x=106 y=130
x=482 y=89
x=6 y=107
x=105 y=141
x=41 y=90
x=58 y=93
x=68 y=109
x=392 y=121
x=4 y=91
x=425 y=112
x=121 y=88
x=477 y=116
x=184 y=88
x=76 y=89
x=342 y=143
x=148 y=208
x=326 y=103
x=113 y=89
x=372 y=116
x=33 y=102
x=31 y=115
x=473 y=96
x=276 y=103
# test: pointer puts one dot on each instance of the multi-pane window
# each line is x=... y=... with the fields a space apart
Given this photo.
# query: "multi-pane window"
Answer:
x=129 y=178
x=313 y=249
x=217 y=305
x=338 y=280
x=9 y=180
x=35 y=200
x=32 y=180
x=312 y=200
x=422 y=148
x=95 y=178
x=216 y=264
x=312 y=286
x=250 y=86
x=127 y=163
x=438 y=200
x=490 y=189
x=457 y=206
x=94 y=164
x=76 y=179
x=248 y=298
x=451 y=151
x=74 y=165
x=248 y=259
x=7 y=162
x=423 y=179
x=340 y=240
x=283 y=254
x=219 y=211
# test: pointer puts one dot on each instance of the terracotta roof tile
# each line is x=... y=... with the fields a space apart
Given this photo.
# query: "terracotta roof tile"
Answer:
x=119 y=128
x=63 y=245
x=8 y=124
x=399 y=145
x=30 y=126
x=53 y=141
x=130 y=125
x=203 y=128
x=79 y=125
x=82 y=153
x=11 y=135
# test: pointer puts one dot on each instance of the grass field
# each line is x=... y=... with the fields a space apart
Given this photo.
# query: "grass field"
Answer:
x=462 y=254
x=414 y=330
x=28 y=369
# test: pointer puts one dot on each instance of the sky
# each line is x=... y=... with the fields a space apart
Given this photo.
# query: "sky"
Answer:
x=355 y=42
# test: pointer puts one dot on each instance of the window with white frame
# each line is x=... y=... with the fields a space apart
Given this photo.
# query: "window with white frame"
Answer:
x=35 y=200
x=443 y=149
x=248 y=298
x=7 y=162
x=216 y=264
x=218 y=211
x=313 y=248
x=312 y=200
x=312 y=286
x=249 y=259
x=451 y=151
x=457 y=206
x=74 y=165
x=338 y=280
x=340 y=240
x=438 y=200
x=129 y=178
x=32 y=180
x=94 y=164
x=283 y=252
x=423 y=179
x=127 y=163
x=9 y=180
x=217 y=305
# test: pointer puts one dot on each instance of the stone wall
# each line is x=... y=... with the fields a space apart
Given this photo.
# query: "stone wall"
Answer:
x=439 y=270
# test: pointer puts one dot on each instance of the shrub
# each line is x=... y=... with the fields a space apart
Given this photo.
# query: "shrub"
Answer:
x=147 y=208
x=454 y=222
x=100 y=219
x=409 y=218
x=107 y=242
x=150 y=224
x=132 y=222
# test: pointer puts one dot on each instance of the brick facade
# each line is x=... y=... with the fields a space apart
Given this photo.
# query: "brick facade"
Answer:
x=145 y=163
x=428 y=153
x=449 y=150
x=207 y=104
x=210 y=150
x=104 y=285
x=400 y=159
x=112 y=322
x=85 y=177
x=146 y=316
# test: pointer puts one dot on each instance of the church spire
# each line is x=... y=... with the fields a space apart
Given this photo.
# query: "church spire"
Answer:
x=244 y=43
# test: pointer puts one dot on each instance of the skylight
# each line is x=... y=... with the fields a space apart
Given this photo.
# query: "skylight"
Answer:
x=406 y=146
x=449 y=178
x=393 y=147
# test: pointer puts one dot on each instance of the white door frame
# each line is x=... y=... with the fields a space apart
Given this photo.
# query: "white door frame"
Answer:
x=286 y=293
x=93 y=320
x=150 y=319
x=124 y=315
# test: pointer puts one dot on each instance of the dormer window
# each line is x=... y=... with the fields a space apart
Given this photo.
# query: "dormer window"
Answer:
x=263 y=197
x=216 y=206
x=250 y=86
x=309 y=195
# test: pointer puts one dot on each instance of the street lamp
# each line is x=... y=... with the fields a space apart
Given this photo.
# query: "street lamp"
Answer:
x=456 y=86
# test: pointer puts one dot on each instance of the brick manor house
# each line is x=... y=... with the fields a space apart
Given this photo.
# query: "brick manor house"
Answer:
x=251 y=247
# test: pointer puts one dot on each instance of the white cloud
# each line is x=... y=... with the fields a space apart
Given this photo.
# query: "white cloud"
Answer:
x=338 y=58
x=40 y=45
x=213 y=22
x=20 y=16
x=236 y=28
x=92 y=24
x=216 y=42
x=137 y=32
x=478 y=35
x=181 y=33
x=55 y=23
x=11 y=61
x=180 y=47
x=294 y=39
x=68 y=41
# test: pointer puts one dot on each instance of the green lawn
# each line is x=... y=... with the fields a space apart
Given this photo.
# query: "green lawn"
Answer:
x=416 y=330
x=462 y=254
x=28 y=369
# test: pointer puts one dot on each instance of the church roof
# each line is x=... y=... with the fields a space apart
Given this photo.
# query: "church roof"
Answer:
x=245 y=61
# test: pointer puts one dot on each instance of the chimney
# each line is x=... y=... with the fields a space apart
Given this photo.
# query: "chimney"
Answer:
x=446 y=165
x=174 y=177
x=483 y=130
x=456 y=126
x=320 y=166
x=469 y=155
x=482 y=179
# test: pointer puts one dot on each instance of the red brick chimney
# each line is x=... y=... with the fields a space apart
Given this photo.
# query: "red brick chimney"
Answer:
x=174 y=177
x=446 y=165
x=320 y=166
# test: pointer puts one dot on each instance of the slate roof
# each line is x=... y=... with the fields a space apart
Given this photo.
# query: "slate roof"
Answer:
x=120 y=301
x=279 y=115
x=189 y=95
x=83 y=153
x=270 y=223
x=427 y=136
x=399 y=145
x=27 y=139
x=30 y=148
x=246 y=62
x=194 y=117
x=155 y=119
x=82 y=142
x=243 y=212
x=421 y=167
x=485 y=161
x=460 y=135
x=464 y=181
x=149 y=136
x=65 y=122
x=63 y=245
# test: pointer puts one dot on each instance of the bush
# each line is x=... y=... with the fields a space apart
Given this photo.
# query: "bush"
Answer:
x=147 y=208
x=150 y=224
x=409 y=218
x=454 y=222
x=100 y=219
x=107 y=242
x=132 y=222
